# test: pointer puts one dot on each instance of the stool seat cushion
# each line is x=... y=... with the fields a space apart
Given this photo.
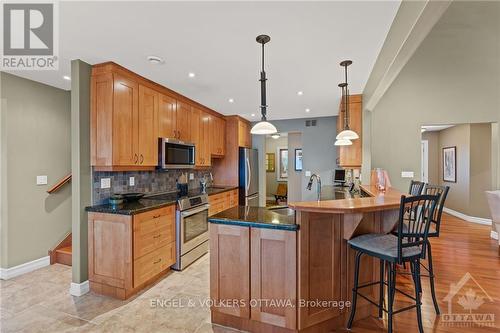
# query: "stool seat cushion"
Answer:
x=383 y=246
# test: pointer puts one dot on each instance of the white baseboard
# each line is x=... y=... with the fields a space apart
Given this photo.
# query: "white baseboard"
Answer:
x=494 y=234
x=9 y=273
x=79 y=289
x=467 y=218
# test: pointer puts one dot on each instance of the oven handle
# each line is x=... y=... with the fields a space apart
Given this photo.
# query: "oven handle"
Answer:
x=194 y=210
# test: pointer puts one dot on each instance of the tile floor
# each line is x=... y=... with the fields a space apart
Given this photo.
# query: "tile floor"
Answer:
x=40 y=302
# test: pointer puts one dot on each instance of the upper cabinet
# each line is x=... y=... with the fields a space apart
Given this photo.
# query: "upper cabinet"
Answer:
x=244 y=136
x=218 y=136
x=351 y=156
x=129 y=113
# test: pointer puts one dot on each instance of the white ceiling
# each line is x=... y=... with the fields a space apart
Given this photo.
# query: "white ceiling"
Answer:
x=216 y=40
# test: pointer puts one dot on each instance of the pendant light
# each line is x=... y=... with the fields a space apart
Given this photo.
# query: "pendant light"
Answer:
x=341 y=141
x=347 y=133
x=263 y=126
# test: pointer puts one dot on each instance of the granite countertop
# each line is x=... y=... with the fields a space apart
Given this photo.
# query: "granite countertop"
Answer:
x=151 y=201
x=257 y=217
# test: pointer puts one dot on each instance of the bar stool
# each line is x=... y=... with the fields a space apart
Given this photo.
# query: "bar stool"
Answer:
x=416 y=187
x=442 y=193
x=391 y=250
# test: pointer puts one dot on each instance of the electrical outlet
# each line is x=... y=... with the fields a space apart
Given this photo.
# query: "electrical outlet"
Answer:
x=308 y=173
x=131 y=181
x=191 y=176
x=407 y=174
x=41 y=180
x=105 y=182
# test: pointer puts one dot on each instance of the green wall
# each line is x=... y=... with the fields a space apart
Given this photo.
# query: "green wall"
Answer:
x=35 y=140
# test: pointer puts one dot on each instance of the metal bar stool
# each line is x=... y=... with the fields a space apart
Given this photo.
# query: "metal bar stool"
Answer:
x=409 y=246
x=416 y=187
x=442 y=193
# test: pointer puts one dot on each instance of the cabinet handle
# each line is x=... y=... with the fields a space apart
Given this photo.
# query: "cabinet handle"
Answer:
x=142 y=158
x=156 y=216
x=157 y=236
x=135 y=158
x=157 y=261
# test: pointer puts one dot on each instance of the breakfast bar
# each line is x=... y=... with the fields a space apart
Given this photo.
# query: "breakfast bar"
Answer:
x=294 y=274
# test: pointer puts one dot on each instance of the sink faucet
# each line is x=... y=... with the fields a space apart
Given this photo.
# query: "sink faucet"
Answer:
x=318 y=187
x=203 y=181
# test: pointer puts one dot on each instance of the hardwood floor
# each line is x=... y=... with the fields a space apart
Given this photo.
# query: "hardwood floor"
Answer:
x=462 y=248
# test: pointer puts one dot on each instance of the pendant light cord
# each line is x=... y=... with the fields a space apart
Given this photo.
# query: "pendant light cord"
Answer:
x=263 y=105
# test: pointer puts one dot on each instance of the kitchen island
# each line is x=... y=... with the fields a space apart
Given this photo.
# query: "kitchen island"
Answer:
x=294 y=279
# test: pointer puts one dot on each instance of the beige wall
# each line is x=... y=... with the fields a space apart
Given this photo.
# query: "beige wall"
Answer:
x=294 y=177
x=453 y=78
x=480 y=169
x=271 y=177
x=35 y=130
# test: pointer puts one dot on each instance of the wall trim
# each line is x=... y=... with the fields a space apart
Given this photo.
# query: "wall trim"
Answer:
x=468 y=218
x=494 y=234
x=9 y=273
x=79 y=289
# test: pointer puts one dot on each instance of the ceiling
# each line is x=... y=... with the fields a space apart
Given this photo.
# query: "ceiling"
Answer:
x=216 y=41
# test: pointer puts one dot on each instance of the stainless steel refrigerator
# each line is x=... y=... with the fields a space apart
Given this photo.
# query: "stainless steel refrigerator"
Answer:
x=249 y=177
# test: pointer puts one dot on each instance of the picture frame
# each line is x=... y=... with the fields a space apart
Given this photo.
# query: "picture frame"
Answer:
x=270 y=162
x=298 y=159
x=282 y=168
x=450 y=164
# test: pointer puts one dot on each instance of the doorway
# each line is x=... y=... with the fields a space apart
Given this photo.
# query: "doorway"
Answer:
x=277 y=156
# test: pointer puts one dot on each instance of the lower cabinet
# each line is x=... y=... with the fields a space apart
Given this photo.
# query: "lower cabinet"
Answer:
x=222 y=201
x=126 y=253
x=257 y=267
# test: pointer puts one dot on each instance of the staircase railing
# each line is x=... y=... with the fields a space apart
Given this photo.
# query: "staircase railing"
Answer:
x=59 y=184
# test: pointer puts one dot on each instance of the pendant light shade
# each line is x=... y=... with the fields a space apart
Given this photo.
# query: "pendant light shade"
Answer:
x=343 y=142
x=263 y=127
x=347 y=135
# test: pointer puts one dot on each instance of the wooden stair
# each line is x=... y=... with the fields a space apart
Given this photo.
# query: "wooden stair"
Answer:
x=61 y=254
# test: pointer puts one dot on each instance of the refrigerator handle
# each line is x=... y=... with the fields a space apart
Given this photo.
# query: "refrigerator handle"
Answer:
x=249 y=174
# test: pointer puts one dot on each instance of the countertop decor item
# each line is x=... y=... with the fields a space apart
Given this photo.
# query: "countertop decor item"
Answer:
x=344 y=138
x=131 y=196
x=263 y=126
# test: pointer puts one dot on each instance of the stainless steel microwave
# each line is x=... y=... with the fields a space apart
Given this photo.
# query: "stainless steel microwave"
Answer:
x=175 y=154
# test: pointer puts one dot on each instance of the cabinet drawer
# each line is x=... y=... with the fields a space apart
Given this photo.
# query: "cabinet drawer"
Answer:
x=153 y=263
x=153 y=230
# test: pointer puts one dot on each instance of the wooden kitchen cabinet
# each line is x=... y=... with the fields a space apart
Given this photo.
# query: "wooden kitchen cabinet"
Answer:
x=127 y=253
x=273 y=275
x=148 y=126
x=217 y=136
x=351 y=156
x=200 y=136
x=222 y=201
x=244 y=136
x=167 y=121
x=252 y=265
x=230 y=269
x=183 y=113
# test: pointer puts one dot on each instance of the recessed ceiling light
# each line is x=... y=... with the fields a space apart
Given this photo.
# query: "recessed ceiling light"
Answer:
x=155 y=60
x=253 y=114
x=300 y=93
x=67 y=77
x=191 y=74
x=230 y=100
x=308 y=110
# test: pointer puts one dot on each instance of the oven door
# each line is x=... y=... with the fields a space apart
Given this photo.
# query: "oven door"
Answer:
x=193 y=228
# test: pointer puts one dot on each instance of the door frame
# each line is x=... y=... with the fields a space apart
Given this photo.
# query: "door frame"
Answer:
x=424 y=158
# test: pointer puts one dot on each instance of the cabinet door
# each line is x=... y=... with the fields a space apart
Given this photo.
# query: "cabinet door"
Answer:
x=206 y=137
x=244 y=137
x=166 y=116
x=218 y=134
x=273 y=276
x=125 y=122
x=196 y=137
x=230 y=268
x=148 y=126
x=182 y=114
x=101 y=118
x=351 y=156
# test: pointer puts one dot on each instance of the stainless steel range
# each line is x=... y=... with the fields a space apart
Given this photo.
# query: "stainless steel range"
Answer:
x=191 y=229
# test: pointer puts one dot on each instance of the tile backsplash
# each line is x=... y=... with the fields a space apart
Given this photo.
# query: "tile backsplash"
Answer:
x=145 y=181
